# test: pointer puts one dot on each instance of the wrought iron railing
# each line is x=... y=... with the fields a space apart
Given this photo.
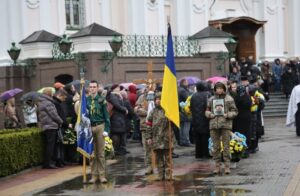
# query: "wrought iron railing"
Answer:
x=143 y=46
x=155 y=46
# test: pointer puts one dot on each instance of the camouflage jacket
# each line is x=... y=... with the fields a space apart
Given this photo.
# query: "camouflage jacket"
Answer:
x=224 y=121
x=157 y=129
x=141 y=110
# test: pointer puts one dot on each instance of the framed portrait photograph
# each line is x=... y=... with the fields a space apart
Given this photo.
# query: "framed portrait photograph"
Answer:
x=218 y=107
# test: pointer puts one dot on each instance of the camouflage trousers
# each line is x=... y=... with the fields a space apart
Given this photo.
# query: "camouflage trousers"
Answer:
x=147 y=151
x=163 y=160
x=217 y=136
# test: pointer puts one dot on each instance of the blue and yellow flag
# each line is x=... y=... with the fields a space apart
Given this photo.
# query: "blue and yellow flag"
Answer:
x=169 y=96
x=83 y=128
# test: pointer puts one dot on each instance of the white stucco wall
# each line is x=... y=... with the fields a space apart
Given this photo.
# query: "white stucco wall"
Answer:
x=20 y=18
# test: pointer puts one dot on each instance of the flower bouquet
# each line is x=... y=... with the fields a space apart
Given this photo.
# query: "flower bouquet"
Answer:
x=69 y=137
x=237 y=146
x=109 y=148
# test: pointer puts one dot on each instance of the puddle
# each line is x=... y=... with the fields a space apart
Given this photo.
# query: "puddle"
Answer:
x=126 y=177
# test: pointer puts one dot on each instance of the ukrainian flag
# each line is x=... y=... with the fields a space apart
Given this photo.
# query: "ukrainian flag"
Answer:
x=169 y=96
x=83 y=128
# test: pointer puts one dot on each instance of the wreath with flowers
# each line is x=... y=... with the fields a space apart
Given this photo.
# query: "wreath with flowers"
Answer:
x=237 y=146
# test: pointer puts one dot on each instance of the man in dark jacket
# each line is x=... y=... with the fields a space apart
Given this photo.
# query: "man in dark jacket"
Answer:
x=199 y=122
x=50 y=122
x=58 y=98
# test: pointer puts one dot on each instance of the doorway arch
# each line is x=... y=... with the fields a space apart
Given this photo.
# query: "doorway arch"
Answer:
x=244 y=29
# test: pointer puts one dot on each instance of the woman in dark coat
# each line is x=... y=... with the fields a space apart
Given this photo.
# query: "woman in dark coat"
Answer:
x=199 y=122
x=241 y=123
x=117 y=120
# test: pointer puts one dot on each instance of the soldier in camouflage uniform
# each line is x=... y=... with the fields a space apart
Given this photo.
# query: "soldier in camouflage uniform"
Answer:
x=157 y=136
x=221 y=125
x=141 y=109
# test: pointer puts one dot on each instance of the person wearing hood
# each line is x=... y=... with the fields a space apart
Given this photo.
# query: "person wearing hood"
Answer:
x=132 y=96
x=199 y=122
x=50 y=122
x=221 y=110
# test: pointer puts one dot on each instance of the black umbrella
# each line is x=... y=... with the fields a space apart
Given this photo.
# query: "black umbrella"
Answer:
x=33 y=96
x=76 y=84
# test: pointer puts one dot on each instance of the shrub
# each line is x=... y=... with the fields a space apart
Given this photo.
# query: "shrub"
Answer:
x=20 y=149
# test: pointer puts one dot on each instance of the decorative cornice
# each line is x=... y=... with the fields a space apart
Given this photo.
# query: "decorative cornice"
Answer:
x=152 y=4
x=198 y=6
x=33 y=4
x=246 y=6
x=272 y=7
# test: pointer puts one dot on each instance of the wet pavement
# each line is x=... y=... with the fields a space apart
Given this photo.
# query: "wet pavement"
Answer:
x=268 y=172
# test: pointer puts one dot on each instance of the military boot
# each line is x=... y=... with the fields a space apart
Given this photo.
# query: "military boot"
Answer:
x=227 y=168
x=94 y=179
x=161 y=176
x=217 y=169
x=149 y=171
x=169 y=176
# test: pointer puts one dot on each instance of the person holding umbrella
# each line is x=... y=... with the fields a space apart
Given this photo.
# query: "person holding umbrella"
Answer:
x=11 y=119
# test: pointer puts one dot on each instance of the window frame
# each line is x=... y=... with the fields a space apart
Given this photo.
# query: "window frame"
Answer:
x=81 y=13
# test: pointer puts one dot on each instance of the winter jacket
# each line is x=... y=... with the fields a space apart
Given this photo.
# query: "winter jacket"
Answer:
x=29 y=114
x=198 y=108
x=230 y=112
x=132 y=97
x=61 y=112
x=141 y=111
x=48 y=116
x=157 y=129
x=117 y=119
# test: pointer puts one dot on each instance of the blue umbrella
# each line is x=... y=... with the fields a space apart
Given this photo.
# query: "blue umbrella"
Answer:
x=10 y=93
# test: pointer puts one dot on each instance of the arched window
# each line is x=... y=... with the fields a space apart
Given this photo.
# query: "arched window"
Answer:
x=75 y=14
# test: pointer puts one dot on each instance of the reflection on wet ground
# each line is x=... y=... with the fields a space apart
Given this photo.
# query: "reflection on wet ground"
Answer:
x=126 y=177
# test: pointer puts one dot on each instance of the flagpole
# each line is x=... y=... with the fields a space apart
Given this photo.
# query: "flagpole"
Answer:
x=170 y=150
x=84 y=169
x=83 y=155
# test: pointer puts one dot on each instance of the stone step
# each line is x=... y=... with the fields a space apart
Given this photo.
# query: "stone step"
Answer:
x=272 y=107
x=272 y=115
x=277 y=112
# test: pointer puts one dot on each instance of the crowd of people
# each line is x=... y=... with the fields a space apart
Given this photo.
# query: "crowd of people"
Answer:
x=216 y=111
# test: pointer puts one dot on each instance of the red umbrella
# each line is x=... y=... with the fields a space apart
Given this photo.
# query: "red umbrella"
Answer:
x=10 y=93
x=216 y=79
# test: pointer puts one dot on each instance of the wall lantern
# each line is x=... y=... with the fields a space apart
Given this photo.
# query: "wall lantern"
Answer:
x=14 y=52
